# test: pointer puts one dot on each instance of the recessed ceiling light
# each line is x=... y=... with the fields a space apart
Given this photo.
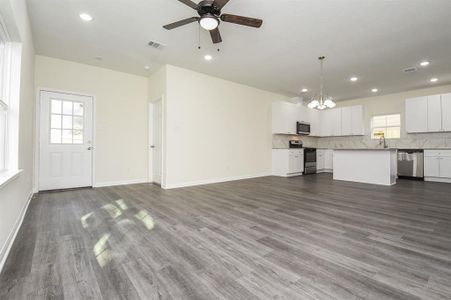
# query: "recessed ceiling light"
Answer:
x=85 y=17
x=147 y=68
x=354 y=79
x=434 y=79
x=424 y=63
x=375 y=90
x=304 y=90
x=208 y=57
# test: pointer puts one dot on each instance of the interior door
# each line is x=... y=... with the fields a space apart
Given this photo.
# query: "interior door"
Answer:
x=65 y=141
x=155 y=141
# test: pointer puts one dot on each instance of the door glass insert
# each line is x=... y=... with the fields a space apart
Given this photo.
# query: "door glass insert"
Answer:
x=66 y=122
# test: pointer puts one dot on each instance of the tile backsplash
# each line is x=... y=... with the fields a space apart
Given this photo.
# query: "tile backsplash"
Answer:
x=413 y=141
x=281 y=140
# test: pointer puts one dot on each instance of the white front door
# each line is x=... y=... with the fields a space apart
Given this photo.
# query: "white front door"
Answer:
x=155 y=133
x=65 y=141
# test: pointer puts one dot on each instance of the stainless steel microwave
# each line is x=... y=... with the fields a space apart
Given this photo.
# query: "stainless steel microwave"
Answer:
x=303 y=128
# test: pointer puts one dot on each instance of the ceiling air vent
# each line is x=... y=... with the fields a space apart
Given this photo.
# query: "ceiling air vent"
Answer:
x=410 y=70
x=155 y=45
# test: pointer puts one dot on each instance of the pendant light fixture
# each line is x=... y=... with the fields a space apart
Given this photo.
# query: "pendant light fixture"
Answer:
x=321 y=101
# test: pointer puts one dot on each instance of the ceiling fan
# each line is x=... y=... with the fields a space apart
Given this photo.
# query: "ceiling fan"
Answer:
x=210 y=15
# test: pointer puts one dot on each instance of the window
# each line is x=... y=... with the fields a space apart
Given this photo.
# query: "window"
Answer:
x=66 y=122
x=5 y=59
x=10 y=63
x=388 y=126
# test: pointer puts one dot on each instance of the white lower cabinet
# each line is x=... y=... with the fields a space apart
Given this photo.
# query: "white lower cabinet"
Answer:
x=324 y=160
x=437 y=165
x=287 y=162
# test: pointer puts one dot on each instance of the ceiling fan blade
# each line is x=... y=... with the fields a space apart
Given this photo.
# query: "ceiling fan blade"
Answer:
x=240 y=20
x=215 y=36
x=189 y=3
x=220 y=3
x=180 y=23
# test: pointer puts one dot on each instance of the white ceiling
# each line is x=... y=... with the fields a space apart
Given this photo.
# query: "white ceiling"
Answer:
x=372 y=39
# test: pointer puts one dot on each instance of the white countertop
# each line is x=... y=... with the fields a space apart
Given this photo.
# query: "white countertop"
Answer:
x=366 y=149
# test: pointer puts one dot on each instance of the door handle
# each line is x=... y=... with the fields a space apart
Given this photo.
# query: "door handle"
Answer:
x=90 y=148
x=152 y=147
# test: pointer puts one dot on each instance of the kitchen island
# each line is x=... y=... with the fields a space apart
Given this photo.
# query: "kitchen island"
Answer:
x=375 y=166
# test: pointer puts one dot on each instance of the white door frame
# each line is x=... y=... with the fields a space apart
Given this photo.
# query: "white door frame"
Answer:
x=150 y=138
x=37 y=132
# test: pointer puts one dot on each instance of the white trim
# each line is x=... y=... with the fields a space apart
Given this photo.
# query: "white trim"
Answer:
x=8 y=176
x=37 y=129
x=150 y=109
x=6 y=248
x=324 y=171
x=123 y=182
x=437 y=179
x=288 y=175
x=150 y=179
x=211 y=181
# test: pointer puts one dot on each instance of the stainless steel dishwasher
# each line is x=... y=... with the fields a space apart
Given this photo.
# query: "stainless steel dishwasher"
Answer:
x=411 y=163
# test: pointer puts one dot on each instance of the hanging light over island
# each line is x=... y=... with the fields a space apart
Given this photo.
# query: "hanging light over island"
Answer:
x=321 y=101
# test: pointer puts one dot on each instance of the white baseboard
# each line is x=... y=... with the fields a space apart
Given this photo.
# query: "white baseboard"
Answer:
x=211 y=181
x=123 y=182
x=438 y=179
x=287 y=175
x=6 y=248
x=325 y=171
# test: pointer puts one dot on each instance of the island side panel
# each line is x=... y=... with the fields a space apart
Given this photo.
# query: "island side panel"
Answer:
x=366 y=166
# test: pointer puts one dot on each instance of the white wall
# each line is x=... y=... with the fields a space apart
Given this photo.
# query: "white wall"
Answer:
x=215 y=129
x=14 y=196
x=120 y=115
x=157 y=84
x=391 y=104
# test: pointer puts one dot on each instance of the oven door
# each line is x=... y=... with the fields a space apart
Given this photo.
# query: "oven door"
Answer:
x=309 y=161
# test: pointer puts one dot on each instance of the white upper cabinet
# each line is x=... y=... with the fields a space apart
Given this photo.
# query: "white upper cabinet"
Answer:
x=331 y=122
x=303 y=114
x=434 y=113
x=428 y=114
x=417 y=114
x=357 y=125
x=336 y=122
x=284 y=117
x=327 y=123
x=446 y=112
x=346 y=121
x=315 y=122
x=352 y=120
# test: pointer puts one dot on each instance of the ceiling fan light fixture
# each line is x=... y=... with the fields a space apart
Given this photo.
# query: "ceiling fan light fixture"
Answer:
x=209 y=22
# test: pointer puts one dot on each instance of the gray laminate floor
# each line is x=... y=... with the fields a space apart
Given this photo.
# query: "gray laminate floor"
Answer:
x=267 y=238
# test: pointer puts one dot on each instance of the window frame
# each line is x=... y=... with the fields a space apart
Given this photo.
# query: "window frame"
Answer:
x=386 y=127
x=5 y=79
